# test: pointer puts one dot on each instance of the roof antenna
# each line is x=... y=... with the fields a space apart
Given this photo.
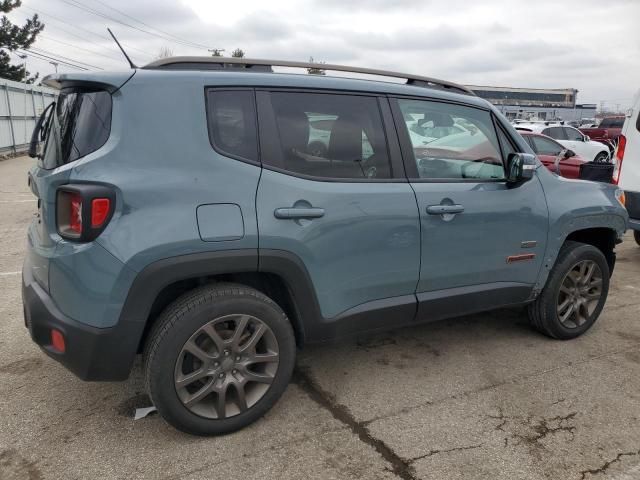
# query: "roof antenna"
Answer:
x=131 y=64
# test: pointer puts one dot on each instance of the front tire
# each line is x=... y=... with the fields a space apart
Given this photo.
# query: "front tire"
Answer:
x=218 y=359
x=575 y=292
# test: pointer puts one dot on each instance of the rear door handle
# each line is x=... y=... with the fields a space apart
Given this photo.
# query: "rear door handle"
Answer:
x=444 y=209
x=294 y=212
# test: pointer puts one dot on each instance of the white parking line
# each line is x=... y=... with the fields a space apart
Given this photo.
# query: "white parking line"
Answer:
x=2 y=274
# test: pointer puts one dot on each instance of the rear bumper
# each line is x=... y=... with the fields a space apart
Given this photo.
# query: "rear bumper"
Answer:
x=104 y=354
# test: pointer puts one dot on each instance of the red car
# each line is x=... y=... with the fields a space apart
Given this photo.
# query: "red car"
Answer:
x=548 y=150
x=607 y=131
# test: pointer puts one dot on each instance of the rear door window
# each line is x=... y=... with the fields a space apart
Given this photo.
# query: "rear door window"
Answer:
x=555 y=132
x=573 y=134
x=80 y=125
x=544 y=146
x=329 y=136
x=616 y=122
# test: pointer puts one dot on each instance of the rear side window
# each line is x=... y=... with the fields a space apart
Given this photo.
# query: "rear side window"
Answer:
x=231 y=116
x=452 y=141
x=616 y=122
x=544 y=146
x=329 y=136
x=555 y=132
x=573 y=134
x=80 y=125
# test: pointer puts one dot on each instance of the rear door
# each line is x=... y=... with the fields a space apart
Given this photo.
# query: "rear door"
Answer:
x=333 y=194
x=483 y=241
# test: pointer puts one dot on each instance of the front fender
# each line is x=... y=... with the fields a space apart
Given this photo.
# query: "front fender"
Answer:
x=577 y=205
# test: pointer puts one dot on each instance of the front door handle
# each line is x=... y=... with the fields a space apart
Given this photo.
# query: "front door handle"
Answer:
x=444 y=209
x=297 y=212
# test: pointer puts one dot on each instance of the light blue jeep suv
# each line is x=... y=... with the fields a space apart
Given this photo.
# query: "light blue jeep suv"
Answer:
x=215 y=216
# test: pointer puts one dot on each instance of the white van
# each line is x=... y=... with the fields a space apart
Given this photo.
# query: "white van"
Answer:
x=627 y=170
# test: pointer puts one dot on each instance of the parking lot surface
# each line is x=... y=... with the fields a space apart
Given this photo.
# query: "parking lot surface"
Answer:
x=481 y=396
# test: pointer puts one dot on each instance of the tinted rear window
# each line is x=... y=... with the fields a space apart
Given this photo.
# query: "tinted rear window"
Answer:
x=231 y=115
x=612 y=122
x=81 y=125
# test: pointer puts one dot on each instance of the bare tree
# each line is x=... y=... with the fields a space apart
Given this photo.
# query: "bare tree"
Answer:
x=216 y=52
x=314 y=70
x=238 y=53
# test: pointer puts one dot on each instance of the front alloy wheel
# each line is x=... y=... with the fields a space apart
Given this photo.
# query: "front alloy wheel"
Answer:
x=575 y=292
x=579 y=294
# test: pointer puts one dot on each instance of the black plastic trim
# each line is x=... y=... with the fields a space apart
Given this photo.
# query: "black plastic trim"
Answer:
x=104 y=354
x=453 y=302
x=88 y=192
x=156 y=276
x=632 y=203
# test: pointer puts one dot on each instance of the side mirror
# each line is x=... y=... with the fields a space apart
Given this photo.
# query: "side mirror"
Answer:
x=520 y=167
x=569 y=153
x=586 y=138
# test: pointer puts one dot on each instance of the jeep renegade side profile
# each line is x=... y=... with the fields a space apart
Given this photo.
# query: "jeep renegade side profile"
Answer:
x=215 y=216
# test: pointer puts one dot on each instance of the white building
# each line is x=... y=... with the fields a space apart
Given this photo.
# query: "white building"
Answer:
x=536 y=103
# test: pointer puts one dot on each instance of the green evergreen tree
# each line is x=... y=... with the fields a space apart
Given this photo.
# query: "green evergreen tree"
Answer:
x=14 y=37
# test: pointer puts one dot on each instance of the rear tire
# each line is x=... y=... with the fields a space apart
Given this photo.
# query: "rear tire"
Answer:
x=601 y=157
x=218 y=359
x=575 y=292
x=636 y=236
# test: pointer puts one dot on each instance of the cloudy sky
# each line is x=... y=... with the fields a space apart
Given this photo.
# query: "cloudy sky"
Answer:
x=591 y=45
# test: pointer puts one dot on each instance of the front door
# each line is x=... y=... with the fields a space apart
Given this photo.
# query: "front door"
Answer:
x=333 y=193
x=483 y=241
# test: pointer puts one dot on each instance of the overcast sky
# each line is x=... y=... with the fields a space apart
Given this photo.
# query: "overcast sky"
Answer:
x=591 y=45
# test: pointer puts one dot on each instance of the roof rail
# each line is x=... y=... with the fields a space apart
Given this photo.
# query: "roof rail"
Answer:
x=219 y=63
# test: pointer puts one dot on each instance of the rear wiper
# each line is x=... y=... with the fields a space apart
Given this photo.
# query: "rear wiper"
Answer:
x=35 y=136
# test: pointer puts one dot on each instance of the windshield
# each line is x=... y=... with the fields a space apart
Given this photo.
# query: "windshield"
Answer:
x=80 y=125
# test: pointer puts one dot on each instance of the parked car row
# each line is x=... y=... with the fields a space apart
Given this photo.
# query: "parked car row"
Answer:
x=570 y=138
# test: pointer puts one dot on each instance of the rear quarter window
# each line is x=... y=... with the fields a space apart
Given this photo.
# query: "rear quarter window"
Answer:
x=231 y=118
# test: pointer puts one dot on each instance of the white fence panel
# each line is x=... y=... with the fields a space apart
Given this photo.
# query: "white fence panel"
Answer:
x=20 y=107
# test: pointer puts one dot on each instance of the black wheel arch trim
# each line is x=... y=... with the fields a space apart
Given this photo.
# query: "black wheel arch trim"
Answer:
x=158 y=275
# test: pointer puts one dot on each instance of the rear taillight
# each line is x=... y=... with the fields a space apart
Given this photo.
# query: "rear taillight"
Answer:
x=622 y=143
x=83 y=211
x=75 y=213
x=100 y=209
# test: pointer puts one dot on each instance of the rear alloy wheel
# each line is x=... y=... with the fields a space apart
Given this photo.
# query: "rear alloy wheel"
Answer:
x=575 y=292
x=218 y=359
x=226 y=366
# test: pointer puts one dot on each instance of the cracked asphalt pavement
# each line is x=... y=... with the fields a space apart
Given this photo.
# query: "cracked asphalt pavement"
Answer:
x=480 y=397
